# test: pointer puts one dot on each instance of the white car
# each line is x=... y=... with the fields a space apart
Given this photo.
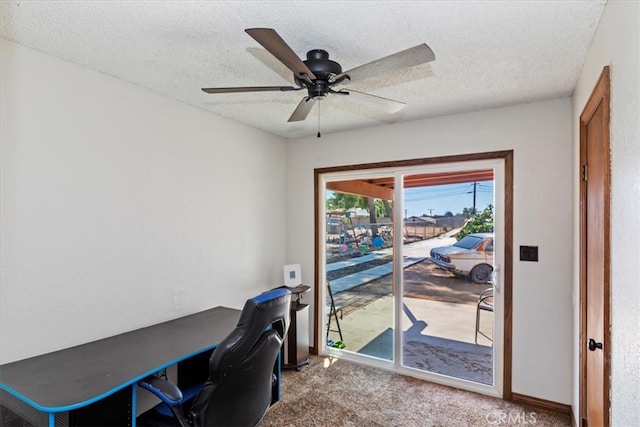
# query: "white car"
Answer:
x=472 y=255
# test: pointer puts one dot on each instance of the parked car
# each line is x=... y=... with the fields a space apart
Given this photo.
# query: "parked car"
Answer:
x=472 y=255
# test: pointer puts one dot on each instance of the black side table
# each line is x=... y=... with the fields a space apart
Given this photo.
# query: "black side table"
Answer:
x=296 y=344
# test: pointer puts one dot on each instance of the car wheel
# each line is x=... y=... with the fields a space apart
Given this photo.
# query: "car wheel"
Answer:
x=481 y=273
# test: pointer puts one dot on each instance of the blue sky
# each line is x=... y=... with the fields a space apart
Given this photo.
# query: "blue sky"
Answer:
x=439 y=199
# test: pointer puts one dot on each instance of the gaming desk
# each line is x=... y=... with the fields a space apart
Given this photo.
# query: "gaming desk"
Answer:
x=95 y=383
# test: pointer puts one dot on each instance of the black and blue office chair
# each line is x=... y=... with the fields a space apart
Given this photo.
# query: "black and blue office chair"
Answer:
x=241 y=381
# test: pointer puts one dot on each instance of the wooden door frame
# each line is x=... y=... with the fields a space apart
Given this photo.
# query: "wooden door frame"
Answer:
x=507 y=156
x=599 y=96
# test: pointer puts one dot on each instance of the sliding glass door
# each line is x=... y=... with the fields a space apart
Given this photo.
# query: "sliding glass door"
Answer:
x=448 y=300
x=358 y=251
x=410 y=263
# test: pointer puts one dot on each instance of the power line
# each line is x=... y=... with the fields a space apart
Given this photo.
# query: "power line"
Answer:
x=437 y=196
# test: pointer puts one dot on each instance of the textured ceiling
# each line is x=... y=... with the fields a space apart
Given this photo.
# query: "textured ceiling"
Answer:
x=488 y=53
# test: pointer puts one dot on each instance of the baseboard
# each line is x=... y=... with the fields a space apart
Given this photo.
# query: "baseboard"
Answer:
x=547 y=405
x=574 y=423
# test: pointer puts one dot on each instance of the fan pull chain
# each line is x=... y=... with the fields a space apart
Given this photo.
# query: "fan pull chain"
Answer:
x=319 y=119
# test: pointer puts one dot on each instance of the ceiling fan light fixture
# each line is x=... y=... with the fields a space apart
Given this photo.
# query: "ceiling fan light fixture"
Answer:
x=318 y=90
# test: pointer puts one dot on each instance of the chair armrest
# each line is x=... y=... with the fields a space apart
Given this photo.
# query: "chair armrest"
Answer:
x=167 y=391
x=486 y=303
x=486 y=293
x=485 y=300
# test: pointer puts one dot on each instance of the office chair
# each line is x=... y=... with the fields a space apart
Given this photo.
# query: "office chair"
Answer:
x=239 y=389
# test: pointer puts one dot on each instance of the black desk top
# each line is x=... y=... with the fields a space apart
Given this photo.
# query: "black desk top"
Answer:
x=77 y=376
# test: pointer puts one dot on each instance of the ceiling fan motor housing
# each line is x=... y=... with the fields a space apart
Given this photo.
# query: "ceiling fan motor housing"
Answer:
x=323 y=68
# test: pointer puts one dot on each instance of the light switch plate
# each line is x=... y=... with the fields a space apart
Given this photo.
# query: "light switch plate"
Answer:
x=529 y=253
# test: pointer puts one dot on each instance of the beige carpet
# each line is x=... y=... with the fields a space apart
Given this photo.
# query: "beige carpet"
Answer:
x=347 y=394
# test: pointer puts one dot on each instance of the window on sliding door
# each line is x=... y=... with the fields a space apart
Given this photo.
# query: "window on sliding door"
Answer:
x=448 y=301
x=358 y=250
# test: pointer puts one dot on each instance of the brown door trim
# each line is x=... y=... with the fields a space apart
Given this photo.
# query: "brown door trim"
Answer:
x=599 y=96
x=507 y=155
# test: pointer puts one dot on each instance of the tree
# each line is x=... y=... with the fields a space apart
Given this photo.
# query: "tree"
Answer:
x=480 y=223
x=467 y=212
x=345 y=201
x=373 y=220
x=448 y=213
x=375 y=207
x=388 y=209
x=383 y=208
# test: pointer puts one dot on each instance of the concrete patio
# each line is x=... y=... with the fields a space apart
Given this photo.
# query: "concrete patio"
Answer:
x=437 y=336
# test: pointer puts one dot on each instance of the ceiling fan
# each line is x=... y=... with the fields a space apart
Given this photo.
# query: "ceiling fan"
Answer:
x=318 y=74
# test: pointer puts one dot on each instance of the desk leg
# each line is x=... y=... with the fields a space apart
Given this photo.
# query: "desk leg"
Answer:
x=134 y=404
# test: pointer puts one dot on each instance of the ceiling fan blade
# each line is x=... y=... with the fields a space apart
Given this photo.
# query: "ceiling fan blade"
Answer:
x=388 y=105
x=271 y=40
x=420 y=54
x=248 y=89
x=302 y=110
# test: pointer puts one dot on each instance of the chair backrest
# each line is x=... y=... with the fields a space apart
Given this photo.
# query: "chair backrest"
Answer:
x=240 y=385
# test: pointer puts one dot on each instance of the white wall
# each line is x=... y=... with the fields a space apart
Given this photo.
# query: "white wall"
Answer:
x=617 y=44
x=121 y=208
x=540 y=135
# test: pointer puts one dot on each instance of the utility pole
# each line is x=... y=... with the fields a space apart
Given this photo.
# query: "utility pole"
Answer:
x=473 y=212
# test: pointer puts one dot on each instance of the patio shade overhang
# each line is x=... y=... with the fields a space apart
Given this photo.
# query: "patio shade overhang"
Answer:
x=382 y=188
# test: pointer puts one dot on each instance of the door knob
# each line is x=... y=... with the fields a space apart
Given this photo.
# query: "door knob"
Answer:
x=593 y=345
